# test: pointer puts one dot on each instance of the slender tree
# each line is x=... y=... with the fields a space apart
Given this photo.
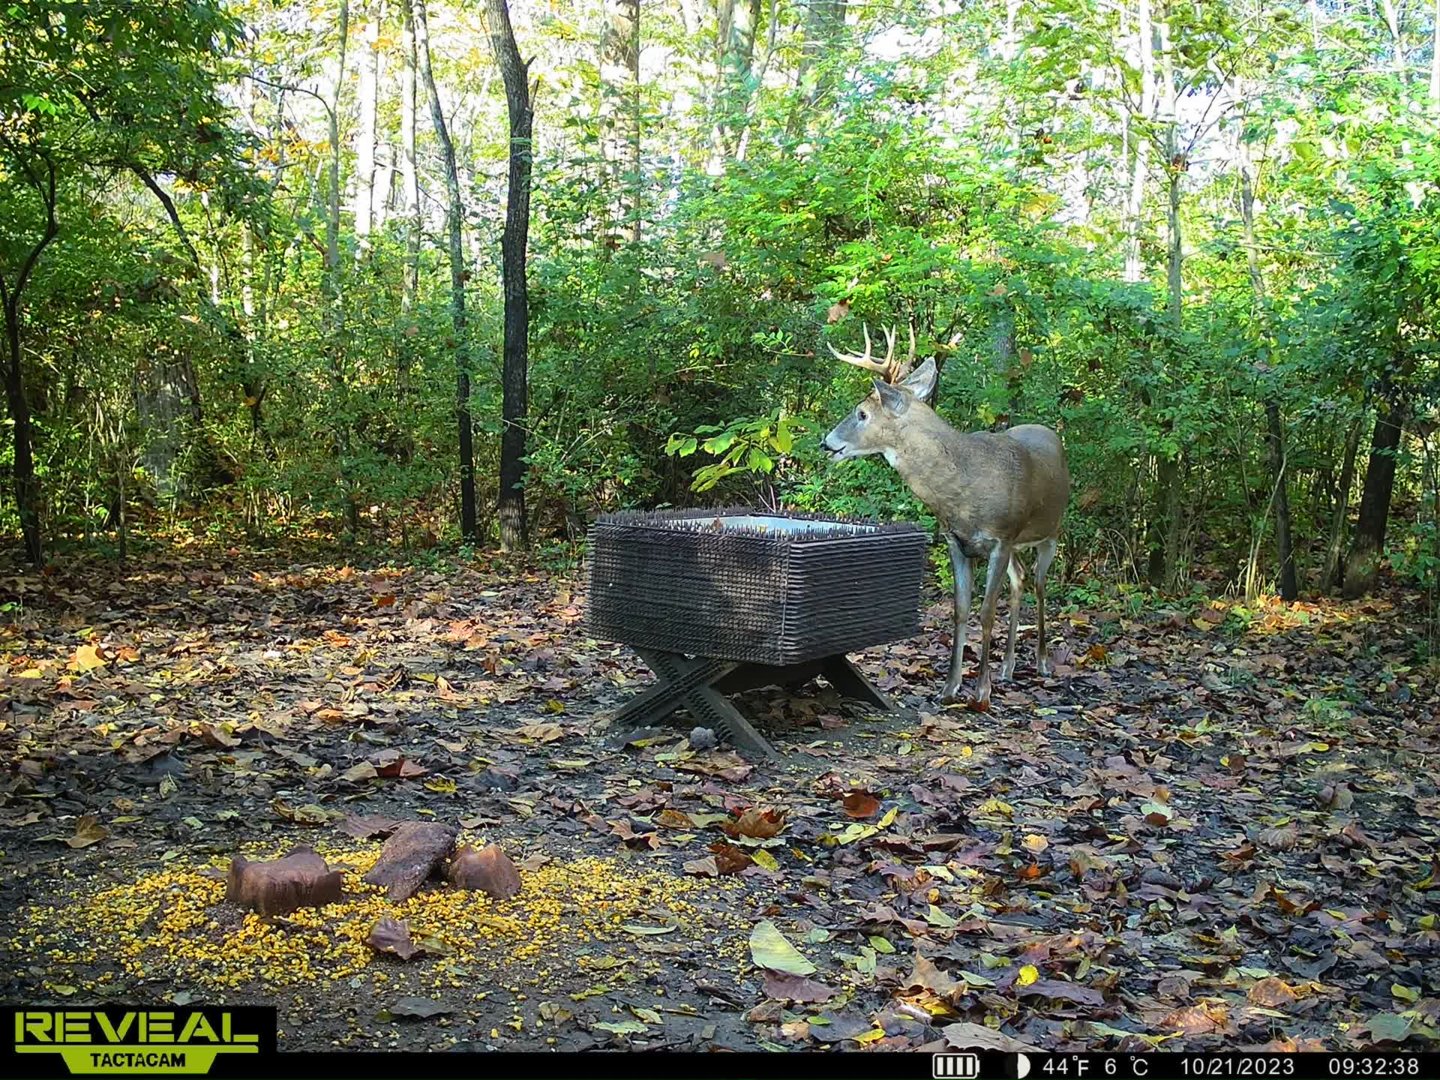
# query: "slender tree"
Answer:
x=367 y=98
x=519 y=97
x=454 y=221
x=620 y=114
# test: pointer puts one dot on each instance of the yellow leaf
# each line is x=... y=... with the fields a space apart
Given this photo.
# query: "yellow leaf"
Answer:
x=889 y=818
x=996 y=807
x=1028 y=974
x=765 y=859
x=86 y=658
x=870 y=1036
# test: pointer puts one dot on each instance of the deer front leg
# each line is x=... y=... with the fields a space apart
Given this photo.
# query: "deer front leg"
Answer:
x=1043 y=557
x=1017 y=586
x=999 y=560
x=963 y=571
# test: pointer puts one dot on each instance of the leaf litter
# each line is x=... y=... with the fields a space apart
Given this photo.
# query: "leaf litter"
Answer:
x=1209 y=831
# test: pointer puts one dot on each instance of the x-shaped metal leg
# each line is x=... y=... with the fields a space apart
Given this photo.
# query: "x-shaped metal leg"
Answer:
x=690 y=684
x=700 y=685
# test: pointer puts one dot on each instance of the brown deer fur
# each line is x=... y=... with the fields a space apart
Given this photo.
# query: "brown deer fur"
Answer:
x=994 y=494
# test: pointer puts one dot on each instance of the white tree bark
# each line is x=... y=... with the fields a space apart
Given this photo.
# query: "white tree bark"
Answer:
x=367 y=69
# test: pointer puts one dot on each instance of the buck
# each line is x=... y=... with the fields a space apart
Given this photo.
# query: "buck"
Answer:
x=994 y=494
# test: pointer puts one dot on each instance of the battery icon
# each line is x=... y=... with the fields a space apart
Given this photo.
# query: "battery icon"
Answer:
x=956 y=1066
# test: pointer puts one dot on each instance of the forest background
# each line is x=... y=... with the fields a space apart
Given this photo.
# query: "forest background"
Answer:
x=417 y=277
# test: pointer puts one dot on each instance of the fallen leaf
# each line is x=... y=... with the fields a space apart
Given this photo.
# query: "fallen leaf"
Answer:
x=860 y=804
x=418 y=1008
x=770 y=950
x=758 y=822
x=392 y=936
x=1272 y=993
x=86 y=658
x=88 y=830
x=794 y=988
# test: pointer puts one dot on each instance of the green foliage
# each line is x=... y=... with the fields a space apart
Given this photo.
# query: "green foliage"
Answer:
x=951 y=172
x=750 y=445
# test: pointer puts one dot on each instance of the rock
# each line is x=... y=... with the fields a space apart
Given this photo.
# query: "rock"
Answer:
x=413 y=852
x=489 y=870
x=702 y=738
x=300 y=879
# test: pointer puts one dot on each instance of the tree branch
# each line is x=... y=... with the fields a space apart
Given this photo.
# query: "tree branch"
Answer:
x=150 y=182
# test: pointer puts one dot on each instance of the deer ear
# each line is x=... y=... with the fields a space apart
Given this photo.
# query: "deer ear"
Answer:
x=921 y=382
x=892 y=399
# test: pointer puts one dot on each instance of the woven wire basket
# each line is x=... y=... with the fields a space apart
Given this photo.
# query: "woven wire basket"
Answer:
x=752 y=586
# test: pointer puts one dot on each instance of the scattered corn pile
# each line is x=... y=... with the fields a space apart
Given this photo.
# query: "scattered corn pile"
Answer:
x=587 y=917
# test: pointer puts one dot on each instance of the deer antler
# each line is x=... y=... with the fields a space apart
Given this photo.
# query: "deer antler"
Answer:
x=889 y=368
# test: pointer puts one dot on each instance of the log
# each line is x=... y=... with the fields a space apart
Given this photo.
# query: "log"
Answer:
x=489 y=871
x=300 y=879
x=412 y=854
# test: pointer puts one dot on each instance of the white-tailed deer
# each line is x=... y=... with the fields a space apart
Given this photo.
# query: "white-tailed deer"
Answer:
x=994 y=493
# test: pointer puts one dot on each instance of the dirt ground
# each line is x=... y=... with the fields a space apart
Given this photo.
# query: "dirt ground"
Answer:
x=1213 y=827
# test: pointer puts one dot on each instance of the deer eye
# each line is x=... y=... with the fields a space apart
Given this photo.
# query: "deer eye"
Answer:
x=864 y=416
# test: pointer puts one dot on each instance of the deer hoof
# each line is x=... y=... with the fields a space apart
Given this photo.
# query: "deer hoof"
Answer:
x=952 y=696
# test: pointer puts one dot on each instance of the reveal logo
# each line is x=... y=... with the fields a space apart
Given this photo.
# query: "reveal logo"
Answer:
x=107 y=1041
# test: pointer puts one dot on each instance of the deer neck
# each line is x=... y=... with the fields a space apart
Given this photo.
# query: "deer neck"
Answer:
x=926 y=454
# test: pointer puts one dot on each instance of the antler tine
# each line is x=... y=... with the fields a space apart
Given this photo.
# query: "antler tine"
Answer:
x=892 y=371
x=904 y=369
x=865 y=361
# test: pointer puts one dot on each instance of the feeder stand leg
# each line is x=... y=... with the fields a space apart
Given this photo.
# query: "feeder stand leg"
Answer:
x=690 y=684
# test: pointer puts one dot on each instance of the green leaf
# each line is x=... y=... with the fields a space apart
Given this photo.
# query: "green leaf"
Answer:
x=770 y=950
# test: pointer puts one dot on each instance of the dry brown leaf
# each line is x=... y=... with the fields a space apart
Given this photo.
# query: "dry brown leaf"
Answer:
x=757 y=822
x=88 y=830
x=1272 y=993
x=392 y=936
x=860 y=805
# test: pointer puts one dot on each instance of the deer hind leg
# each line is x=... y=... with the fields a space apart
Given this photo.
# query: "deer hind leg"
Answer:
x=964 y=572
x=1045 y=554
x=1017 y=593
x=999 y=561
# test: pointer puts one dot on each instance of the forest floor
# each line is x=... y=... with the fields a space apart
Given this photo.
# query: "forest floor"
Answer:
x=1212 y=828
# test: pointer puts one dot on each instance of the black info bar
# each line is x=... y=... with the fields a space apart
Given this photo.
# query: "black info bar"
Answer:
x=961 y=1065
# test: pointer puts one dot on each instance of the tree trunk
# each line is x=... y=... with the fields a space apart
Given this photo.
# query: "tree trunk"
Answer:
x=1275 y=441
x=410 y=187
x=1165 y=556
x=332 y=288
x=27 y=485
x=737 y=20
x=1435 y=61
x=824 y=27
x=1135 y=200
x=332 y=216
x=1330 y=579
x=620 y=115
x=515 y=72
x=1367 y=544
x=454 y=220
x=367 y=67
